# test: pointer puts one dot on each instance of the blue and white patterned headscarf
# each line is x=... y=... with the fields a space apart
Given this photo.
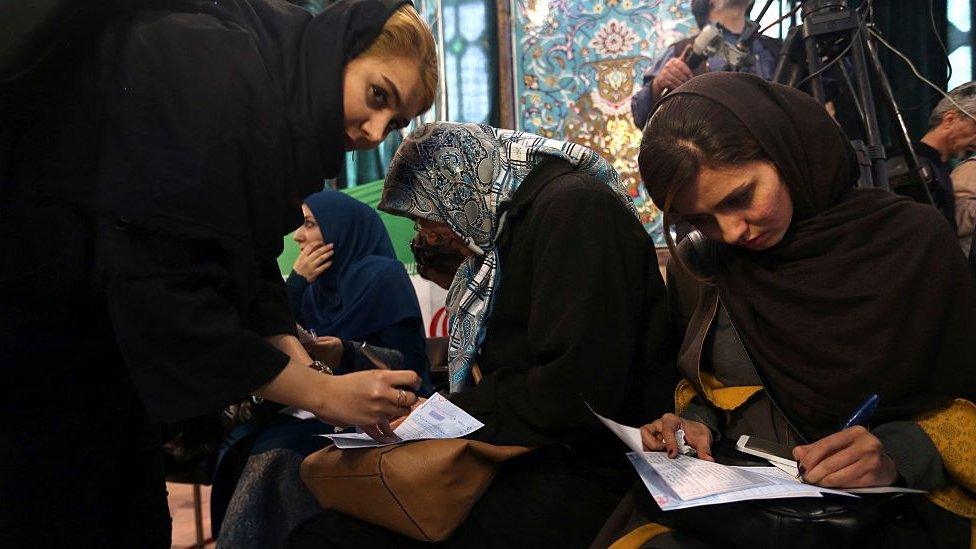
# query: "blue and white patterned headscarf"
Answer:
x=465 y=175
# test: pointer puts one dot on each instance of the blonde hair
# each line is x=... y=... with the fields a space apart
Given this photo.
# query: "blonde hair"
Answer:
x=406 y=35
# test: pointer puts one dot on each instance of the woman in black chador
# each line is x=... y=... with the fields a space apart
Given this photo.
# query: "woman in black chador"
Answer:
x=150 y=171
x=559 y=304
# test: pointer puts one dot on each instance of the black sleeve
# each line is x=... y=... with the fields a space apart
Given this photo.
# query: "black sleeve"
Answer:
x=270 y=313
x=295 y=286
x=406 y=336
x=588 y=308
x=400 y=346
x=191 y=344
x=190 y=292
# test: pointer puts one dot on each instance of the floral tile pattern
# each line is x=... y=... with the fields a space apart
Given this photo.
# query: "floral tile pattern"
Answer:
x=577 y=64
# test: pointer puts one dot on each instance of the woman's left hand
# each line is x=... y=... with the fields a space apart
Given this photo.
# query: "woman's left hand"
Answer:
x=328 y=349
x=852 y=458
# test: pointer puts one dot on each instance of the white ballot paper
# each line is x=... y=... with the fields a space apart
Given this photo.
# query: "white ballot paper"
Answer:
x=685 y=481
x=684 y=472
x=629 y=435
x=691 y=478
x=632 y=438
x=435 y=418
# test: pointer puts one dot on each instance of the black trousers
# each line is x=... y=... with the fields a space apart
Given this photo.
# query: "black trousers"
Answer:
x=546 y=498
x=80 y=461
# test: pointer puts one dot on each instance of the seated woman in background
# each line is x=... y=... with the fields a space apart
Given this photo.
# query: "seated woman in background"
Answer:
x=347 y=288
x=807 y=295
x=559 y=303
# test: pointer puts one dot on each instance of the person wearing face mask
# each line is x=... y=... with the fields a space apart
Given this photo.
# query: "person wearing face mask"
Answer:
x=437 y=261
x=801 y=295
x=670 y=70
x=559 y=303
x=153 y=161
x=951 y=135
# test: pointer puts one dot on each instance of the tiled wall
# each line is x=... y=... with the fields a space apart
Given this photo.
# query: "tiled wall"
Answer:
x=577 y=63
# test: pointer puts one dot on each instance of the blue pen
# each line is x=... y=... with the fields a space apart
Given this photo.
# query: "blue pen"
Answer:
x=863 y=414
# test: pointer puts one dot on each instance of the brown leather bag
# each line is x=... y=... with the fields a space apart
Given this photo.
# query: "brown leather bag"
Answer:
x=422 y=489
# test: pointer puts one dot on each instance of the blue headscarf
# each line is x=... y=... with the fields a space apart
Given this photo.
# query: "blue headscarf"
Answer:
x=465 y=175
x=366 y=289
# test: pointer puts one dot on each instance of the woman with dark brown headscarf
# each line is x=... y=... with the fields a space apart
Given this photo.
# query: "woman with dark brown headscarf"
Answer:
x=802 y=292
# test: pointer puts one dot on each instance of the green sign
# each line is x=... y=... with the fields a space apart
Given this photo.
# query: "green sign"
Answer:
x=400 y=229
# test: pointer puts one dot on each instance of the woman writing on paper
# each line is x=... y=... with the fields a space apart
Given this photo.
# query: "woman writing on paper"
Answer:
x=801 y=295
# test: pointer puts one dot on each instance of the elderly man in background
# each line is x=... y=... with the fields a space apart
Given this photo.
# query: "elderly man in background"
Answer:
x=670 y=70
x=951 y=134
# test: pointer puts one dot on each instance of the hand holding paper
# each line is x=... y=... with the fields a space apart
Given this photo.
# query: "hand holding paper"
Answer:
x=661 y=435
x=681 y=482
x=435 y=418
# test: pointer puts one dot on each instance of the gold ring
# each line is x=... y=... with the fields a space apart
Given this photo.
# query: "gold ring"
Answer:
x=400 y=398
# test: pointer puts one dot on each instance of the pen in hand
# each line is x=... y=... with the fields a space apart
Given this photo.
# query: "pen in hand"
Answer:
x=861 y=416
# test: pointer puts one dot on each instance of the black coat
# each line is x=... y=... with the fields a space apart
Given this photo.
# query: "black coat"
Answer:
x=150 y=164
x=187 y=138
x=580 y=317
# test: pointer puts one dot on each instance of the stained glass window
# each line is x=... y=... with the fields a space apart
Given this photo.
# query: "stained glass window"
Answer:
x=958 y=13
x=470 y=60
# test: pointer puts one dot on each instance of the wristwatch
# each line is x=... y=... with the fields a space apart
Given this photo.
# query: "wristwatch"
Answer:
x=321 y=367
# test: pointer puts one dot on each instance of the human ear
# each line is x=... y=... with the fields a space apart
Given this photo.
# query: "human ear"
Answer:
x=949 y=118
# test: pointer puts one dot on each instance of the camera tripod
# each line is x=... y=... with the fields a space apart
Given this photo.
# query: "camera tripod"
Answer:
x=832 y=30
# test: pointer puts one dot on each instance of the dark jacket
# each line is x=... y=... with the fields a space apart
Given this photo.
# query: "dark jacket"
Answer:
x=711 y=337
x=766 y=49
x=581 y=316
x=942 y=190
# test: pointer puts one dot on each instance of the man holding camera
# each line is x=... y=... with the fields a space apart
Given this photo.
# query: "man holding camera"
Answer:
x=672 y=68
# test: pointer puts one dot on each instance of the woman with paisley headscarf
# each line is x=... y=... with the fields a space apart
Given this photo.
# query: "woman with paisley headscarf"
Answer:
x=802 y=295
x=154 y=158
x=559 y=304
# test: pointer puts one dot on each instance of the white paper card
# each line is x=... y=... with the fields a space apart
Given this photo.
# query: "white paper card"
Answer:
x=691 y=478
x=435 y=418
x=779 y=485
x=629 y=435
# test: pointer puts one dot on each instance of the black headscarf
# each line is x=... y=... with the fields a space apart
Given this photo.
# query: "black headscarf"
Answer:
x=866 y=293
x=224 y=115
